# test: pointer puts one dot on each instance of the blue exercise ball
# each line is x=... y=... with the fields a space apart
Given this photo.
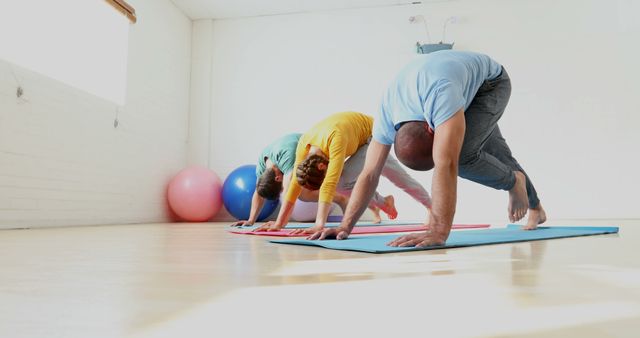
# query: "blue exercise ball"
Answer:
x=237 y=192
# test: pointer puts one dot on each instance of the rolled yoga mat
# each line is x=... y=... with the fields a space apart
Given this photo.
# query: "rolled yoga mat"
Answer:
x=510 y=234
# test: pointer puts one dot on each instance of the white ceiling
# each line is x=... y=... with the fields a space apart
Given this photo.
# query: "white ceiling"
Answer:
x=217 y=9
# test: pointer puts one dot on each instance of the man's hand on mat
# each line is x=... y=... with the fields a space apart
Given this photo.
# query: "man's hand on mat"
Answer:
x=242 y=224
x=433 y=237
x=269 y=226
x=331 y=233
x=311 y=230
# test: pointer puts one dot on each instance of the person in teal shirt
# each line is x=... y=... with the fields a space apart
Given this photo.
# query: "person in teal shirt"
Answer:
x=277 y=159
x=275 y=162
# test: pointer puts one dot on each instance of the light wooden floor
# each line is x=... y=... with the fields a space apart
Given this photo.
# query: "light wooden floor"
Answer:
x=196 y=280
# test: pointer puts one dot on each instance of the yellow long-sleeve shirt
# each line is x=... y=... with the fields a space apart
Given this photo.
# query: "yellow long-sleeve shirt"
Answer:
x=338 y=136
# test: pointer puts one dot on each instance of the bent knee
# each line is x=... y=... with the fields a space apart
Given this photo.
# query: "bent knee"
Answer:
x=468 y=159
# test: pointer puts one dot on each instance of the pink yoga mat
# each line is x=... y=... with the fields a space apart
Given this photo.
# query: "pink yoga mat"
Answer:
x=380 y=229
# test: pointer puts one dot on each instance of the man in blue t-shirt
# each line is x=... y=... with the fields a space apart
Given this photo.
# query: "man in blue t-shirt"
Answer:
x=442 y=113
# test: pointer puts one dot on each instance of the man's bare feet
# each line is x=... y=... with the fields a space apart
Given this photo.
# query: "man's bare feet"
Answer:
x=536 y=216
x=389 y=207
x=518 y=201
x=376 y=215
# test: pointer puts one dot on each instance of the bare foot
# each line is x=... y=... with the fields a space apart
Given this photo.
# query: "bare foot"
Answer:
x=376 y=215
x=518 y=201
x=389 y=207
x=536 y=216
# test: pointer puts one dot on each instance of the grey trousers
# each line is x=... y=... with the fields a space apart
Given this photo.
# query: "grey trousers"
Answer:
x=485 y=157
x=392 y=170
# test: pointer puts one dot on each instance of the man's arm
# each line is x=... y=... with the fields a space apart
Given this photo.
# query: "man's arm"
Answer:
x=447 y=143
x=363 y=191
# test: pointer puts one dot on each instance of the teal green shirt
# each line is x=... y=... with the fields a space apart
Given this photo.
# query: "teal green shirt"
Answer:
x=282 y=152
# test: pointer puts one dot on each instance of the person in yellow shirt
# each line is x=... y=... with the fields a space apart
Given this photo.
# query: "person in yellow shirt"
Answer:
x=275 y=168
x=320 y=159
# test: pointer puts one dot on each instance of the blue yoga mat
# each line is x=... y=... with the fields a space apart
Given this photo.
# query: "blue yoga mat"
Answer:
x=510 y=234
x=335 y=224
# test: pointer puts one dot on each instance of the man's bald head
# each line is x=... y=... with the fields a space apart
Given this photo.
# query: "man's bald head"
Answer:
x=414 y=145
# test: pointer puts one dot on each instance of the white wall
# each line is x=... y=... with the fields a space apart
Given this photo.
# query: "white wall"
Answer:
x=62 y=162
x=572 y=118
x=200 y=94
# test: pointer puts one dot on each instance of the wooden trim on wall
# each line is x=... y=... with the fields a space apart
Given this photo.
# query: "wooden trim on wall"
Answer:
x=124 y=8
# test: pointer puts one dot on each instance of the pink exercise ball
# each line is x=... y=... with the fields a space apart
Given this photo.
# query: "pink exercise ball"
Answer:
x=195 y=194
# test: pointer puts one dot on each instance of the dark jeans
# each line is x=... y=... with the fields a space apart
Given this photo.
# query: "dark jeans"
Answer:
x=485 y=157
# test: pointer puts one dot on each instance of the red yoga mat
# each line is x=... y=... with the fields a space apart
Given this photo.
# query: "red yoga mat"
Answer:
x=359 y=230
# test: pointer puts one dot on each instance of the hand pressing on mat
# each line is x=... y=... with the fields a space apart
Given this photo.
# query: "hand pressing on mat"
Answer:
x=331 y=233
x=242 y=224
x=434 y=236
x=307 y=231
x=269 y=226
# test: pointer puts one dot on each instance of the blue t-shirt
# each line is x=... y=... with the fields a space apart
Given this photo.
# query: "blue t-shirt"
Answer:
x=282 y=152
x=432 y=88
